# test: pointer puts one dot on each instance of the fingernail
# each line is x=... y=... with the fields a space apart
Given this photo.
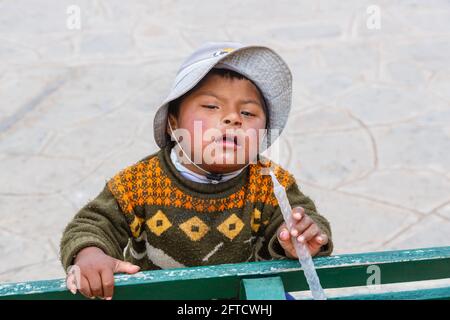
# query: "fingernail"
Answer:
x=108 y=298
x=298 y=215
x=92 y=298
x=284 y=234
x=301 y=239
x=294 y=232
x=74 y=291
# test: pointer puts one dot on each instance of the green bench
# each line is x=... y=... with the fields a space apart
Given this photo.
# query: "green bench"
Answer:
x=269 y=279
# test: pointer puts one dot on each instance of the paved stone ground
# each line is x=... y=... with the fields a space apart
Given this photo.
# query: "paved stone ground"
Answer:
x=368 y=138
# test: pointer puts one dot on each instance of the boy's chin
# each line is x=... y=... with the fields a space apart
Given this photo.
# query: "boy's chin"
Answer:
x=223 y=167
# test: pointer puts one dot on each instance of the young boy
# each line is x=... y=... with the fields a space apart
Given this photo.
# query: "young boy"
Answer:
x=203 y=198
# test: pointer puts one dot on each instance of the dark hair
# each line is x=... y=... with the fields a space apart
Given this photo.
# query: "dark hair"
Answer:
x=174 y=106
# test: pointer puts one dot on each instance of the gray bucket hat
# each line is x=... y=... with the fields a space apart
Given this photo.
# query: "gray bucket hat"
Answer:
x=260 y=64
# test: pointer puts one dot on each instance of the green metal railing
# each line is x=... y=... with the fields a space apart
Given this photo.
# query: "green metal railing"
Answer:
x=266 y=280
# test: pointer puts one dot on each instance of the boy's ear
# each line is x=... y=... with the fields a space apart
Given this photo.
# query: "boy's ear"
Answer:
x=173 y=123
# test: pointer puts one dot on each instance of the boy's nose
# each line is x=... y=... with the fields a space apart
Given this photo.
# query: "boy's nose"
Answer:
x=232 y=119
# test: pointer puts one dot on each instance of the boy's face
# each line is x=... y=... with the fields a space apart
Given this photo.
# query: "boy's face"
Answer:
x=224 y=119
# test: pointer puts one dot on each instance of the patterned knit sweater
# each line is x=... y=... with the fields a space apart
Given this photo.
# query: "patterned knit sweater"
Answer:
x=150 y=215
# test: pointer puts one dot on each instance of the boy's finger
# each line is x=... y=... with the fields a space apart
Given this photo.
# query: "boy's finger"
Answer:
x=108 y=283
x=125 y=267
x=284 y=239
x=283 y=235
x=322 y=238
x=85 y=289
x=298 y=213
x=95 y=283
x=309 y=233
x=300 y=227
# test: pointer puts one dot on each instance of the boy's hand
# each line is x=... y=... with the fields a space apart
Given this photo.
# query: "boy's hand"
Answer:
x=96 y=273
x=306 y=231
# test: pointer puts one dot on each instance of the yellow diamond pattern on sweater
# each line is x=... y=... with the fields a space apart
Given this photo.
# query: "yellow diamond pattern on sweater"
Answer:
x=231 y=227
x=255 y=221
x=159 y=223
x=135 y=226
x=194 y=228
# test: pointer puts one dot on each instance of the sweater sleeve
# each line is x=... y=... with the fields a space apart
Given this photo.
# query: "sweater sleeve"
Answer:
x=100 y=223
x=296 y=199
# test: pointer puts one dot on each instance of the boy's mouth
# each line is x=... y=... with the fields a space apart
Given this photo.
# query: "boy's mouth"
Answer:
x=229 y=141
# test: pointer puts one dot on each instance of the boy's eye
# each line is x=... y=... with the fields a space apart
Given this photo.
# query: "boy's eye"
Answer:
x=209 y=106
x=246 y=113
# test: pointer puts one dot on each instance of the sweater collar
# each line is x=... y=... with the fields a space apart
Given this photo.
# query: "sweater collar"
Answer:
x=193 y=176
x=228 y=187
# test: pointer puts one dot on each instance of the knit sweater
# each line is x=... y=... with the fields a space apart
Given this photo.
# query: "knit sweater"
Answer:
x=150 y=215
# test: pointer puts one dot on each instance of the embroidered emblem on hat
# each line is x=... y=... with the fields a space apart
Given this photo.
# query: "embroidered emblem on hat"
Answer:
x=194 y=228
x=231 y=227
x=223 y=51
x=159 y=223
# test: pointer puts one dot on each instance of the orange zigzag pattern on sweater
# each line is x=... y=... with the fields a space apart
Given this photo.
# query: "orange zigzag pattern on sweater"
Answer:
x=146 y=183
